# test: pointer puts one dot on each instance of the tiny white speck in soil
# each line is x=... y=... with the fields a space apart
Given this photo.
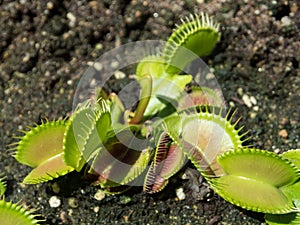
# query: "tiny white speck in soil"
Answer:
x=54 y=202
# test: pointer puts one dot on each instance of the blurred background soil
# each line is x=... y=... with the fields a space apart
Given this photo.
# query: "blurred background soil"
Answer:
x=45 y=47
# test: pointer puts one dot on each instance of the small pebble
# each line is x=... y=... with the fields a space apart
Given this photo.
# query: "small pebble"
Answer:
x=54 y=202
x=71 y=17
x=70 y=82
x=119 y=74
x=180 y=194
x=249 y=100
x=50 y=5
x=286 y=21
x=99 y=46
x=240 y=91
x=26 y=58
x=253 y=100
x=253 y=115
x=96 y=209
x=98 y=66
x=283 y=133
x=246 y=100
x=114 y=64
x=73 y=202
x=100 y=195
x=256 y=108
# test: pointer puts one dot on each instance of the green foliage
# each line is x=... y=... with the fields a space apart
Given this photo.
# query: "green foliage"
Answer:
x=14 y=214
x=123 y=148
x=198 y=34
x=2 y=187
x=203 y=136
x=293 y=193
x=265 y=172
x=41 y=148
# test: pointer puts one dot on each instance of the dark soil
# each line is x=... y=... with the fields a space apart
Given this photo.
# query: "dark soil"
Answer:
x=45 y=47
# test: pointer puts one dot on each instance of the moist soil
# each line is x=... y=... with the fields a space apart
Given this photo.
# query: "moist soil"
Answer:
x=45 y=47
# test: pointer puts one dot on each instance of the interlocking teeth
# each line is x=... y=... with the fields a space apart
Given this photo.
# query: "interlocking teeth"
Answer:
x=197 y=33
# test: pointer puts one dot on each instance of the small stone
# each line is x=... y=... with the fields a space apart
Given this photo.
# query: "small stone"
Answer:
x=119 y=74
x=180 y=194
x=54 y=202
x=26 y=58
x=210 y=76
x=100 y=195
x=138 y=13
x=283 y=133
x=114 y=64
x=286 y=21
x=294 y=8
x=240 y=91
x=71 y=17
x=98 y=66
x=70 y=82
x=253 y=115
x=73 y=202
x=50 y=5
x=99 y=46
x=96 y=209
x=253 y=100
x=246 y=100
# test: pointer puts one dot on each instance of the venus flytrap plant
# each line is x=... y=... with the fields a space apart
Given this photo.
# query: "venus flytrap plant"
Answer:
x=14 y=214
x=124 y=146
x=42 y=149
x=2 y=186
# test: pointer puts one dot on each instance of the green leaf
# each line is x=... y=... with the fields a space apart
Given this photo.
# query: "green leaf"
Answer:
x=41 y=143
x=152 y=65
x=14 y=214
x=292 y=191
x=123 y=158
x=259 y=165
x=97 y=136
x=2 y=186
x=48 y=170
x=42 y=148
x=252 y=194
x=254 y=180
x=293 y=156
x=285 y=219
x=204 y=136
x=166 y=89
x=116 y=109
x=78 y=130
x=195 y=37
x=145 y=96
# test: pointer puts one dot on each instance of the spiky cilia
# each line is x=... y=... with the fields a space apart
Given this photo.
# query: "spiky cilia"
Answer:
x=123 y=147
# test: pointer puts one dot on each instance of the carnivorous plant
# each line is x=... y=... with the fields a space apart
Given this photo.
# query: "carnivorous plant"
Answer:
x=173 y=122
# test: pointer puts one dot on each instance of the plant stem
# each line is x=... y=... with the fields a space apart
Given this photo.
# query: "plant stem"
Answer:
x=146 y=90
